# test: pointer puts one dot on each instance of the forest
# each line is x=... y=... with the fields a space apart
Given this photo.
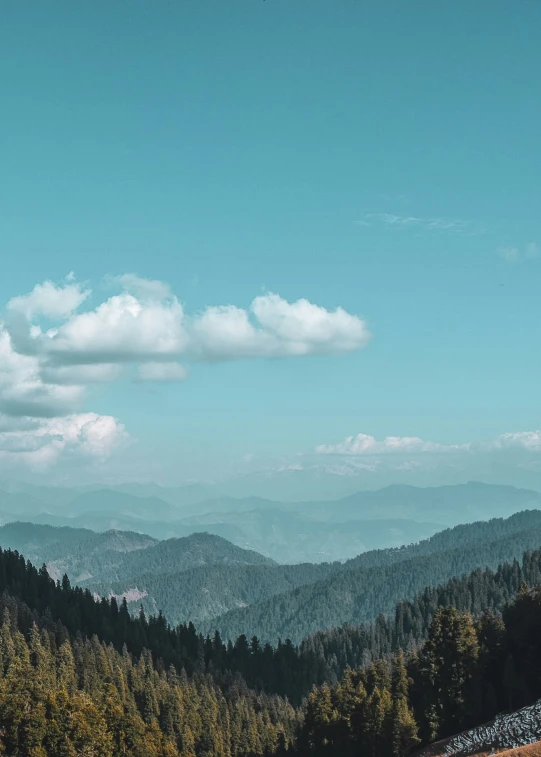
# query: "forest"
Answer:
x=84 y=677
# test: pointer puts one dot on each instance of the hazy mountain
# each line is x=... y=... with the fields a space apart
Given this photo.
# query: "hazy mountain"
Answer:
x=179 y=496
x=285 y=531
x=450 y=505
x=196 y=550
x=110 y=501
x=291 y=537
x=18 y=502
x=119 y=555
x=79 y=552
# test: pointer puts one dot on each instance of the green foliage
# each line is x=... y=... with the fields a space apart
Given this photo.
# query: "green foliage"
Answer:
x=83 y=698
x=200 y=594
x=447 y=667
x=85 y=677
x=375 y=581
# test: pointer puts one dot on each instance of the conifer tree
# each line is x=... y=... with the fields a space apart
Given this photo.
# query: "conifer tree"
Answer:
x=404 y=730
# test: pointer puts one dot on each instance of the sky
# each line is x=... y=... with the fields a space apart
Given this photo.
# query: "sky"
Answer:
x=237 y=235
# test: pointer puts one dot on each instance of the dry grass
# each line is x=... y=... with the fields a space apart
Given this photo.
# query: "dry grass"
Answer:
x=530 y=750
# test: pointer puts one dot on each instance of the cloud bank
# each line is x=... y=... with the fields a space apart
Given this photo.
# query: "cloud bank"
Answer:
x=52 y=350
x=366 y=445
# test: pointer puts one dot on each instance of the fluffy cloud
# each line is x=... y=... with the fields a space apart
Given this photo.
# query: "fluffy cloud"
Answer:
x=49 y=300
x=45 y=368
x=364 y=444
x=277 y=329
x=42 y=442
x=300 y=328
x=148 y=324
x=38 y=422
x=123 y=329
x=23 y=393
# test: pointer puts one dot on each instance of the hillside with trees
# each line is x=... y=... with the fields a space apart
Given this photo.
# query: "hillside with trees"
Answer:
x=81 y=677
x=186 y=581
x=466 y=672
x=200 y=594
x=377 y=581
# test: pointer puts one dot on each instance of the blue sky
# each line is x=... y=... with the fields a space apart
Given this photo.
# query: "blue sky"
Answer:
x=379 y=157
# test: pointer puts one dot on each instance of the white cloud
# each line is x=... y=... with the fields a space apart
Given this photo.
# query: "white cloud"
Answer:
x=364 y=444
x=41 y=445
x=148 y=324
x=525 y=440
x=162 y=372
x=22 y=391
x=305 y=328
x=38 y=422
x=281 y=329
x=223 y=332
x=45 y=371
x=122 y=329
x=49 y=300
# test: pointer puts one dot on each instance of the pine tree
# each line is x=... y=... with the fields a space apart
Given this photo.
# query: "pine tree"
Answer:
x=404 y=731
x=448 y=663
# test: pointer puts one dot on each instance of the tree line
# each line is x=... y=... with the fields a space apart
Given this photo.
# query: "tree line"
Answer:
x=449 y=659
x=467 y=671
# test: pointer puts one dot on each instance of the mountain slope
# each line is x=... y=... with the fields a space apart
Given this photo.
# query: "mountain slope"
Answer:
x=79 y=552
x=196 y=550
x=119 y=555
x=291 y=537
x=199 y=594
x=377 y=581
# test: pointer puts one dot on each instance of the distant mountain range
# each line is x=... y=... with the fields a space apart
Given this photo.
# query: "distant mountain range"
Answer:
x=288 y=532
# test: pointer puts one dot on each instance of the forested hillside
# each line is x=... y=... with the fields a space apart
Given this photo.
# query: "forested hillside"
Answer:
x=466 y=672
x=185 y=578
x=200 y=594
x=380 y=580
x=119 y=555
x=70 y=696
x=462 y=535
x=83 y=677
